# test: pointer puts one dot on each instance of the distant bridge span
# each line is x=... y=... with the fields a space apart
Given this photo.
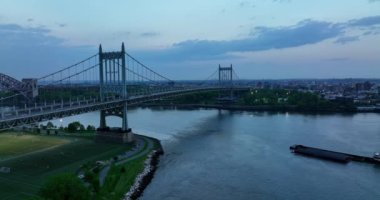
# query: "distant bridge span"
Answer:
x=26 y=87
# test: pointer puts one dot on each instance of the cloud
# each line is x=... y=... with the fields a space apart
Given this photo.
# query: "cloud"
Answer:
x=305 y=32
x=373 y=1
x=338 y=59
x=121 y=34
x=15 y=35
x=365 y=22
x=260 y=39
x=62 y=25
x=32 y=50
x=263 y=38
x=35 y=52
x=30 y=20
x=368 y=25
x=245 y=4
x=344 y=40
x=149 y=34
x=281 y=1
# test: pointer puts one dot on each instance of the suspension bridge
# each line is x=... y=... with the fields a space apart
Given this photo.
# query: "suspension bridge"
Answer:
x=107 y=82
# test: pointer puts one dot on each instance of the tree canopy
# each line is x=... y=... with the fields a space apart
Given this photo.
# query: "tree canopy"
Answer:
x=64 y=187
x=75 y=126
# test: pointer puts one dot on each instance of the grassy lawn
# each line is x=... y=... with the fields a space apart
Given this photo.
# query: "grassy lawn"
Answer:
x=121 y=177
x=28 y=172
x=17 y=144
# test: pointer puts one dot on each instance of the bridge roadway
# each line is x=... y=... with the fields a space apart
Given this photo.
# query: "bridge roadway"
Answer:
x=19 y=117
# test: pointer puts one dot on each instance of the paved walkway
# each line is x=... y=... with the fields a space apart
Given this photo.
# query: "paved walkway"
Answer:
x=136 y=152
x=148 y=148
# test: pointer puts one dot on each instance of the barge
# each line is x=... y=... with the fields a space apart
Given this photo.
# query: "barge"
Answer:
x=333 y=155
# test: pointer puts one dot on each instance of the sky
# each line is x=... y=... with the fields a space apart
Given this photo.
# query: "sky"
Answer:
x=262 y=39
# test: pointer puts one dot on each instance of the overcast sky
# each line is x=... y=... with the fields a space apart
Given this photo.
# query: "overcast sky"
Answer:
x=263 y=39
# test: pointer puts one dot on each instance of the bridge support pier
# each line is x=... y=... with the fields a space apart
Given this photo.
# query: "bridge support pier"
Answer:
x=114 y=135
x=102 y=123
x=125 y=118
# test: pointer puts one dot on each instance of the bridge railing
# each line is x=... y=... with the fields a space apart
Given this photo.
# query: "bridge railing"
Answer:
x=41 y=108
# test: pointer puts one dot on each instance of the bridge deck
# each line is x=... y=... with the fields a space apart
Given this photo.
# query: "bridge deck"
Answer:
x=18 y=117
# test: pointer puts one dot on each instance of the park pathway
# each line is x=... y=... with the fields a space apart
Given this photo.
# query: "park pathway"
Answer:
x=136 y=152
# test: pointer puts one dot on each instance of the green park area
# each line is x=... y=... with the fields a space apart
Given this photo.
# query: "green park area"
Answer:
x=32 y=159
x=12 y=145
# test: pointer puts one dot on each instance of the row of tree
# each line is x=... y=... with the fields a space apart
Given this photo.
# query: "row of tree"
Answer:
x=301 y=100
x=72 y=127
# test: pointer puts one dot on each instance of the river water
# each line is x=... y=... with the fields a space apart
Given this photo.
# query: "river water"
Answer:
x=211 y=154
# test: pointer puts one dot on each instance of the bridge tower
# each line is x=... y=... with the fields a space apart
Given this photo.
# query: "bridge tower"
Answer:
x=225 y=81
x=113 y=84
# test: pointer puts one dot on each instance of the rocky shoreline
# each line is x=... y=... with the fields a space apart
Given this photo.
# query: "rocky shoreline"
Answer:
x=145 y=177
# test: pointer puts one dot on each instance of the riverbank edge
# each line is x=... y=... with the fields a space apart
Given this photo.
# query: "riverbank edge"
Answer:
x=144 y=178
x=293 y=109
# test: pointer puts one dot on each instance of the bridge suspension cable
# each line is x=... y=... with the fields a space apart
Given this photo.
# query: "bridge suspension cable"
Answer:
x=76 y=74
x=235 y=76
x=210 y=78
x=69 y=67
x=144 y=66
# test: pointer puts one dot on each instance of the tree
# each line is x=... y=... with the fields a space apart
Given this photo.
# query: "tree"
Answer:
x=49 y=125
x=90 y=128
x=42 y=127
x=74 y=126
x=81 y=127
x=64 y=187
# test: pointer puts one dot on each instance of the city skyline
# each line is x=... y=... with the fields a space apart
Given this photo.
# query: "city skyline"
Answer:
x=273 y=39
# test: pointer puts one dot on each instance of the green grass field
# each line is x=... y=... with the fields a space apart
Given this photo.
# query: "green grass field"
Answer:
x=121 y=177
x=30 y=170
x=12 y=145
x=118 y=182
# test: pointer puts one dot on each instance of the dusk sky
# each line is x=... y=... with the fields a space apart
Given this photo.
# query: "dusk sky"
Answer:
x=263 y=39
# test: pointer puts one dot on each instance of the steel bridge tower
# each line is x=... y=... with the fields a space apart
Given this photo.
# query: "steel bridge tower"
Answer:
x=113 y=84
x=225 y=80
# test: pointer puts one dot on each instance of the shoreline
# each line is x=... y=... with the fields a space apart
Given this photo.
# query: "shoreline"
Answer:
x=144 y=178
x=263 y=108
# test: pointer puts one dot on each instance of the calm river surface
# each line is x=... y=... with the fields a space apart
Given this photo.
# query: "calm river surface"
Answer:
x=211 y=154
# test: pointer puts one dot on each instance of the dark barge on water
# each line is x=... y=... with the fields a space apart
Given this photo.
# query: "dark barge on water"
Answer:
x=333 y=156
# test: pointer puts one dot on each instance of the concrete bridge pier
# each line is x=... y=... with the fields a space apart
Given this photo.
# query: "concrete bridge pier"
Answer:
x=125 y=128
x=102 y=123
x=114 y=134
x=125 y=118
